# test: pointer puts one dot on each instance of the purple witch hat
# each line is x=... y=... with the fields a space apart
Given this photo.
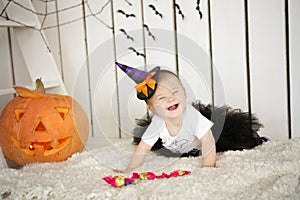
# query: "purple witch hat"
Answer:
x=146 y=81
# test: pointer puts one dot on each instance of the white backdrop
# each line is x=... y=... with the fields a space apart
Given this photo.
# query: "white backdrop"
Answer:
x=253 y=45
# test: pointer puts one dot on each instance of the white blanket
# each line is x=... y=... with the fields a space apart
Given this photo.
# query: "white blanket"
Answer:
x=269 y=171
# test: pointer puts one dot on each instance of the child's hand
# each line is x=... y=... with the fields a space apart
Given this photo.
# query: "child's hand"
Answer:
x=123 y=170
x=137 y=157
x=212 y=166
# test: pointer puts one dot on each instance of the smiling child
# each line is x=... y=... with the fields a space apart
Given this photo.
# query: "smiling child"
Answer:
x=179 y=126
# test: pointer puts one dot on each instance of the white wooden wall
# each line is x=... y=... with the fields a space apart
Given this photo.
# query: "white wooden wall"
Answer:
x=241 y=53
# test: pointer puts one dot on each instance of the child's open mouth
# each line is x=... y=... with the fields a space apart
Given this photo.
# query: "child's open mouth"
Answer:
x=173 y=107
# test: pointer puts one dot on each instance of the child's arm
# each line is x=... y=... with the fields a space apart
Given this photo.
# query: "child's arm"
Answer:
x=208 y=150
x=137 y=157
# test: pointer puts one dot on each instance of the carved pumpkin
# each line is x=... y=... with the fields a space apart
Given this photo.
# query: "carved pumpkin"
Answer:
x=38 y=127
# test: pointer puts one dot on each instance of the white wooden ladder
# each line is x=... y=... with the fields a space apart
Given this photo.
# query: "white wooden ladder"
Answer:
x=38 y=60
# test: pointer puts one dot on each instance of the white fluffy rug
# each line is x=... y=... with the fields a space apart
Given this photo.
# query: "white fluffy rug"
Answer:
x=269 y=171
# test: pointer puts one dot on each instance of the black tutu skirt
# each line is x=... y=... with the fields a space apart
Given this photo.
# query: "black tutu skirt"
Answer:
x=233 y=130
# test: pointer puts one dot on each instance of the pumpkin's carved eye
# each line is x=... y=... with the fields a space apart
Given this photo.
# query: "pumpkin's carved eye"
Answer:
x=62 y=112
x=19 y=113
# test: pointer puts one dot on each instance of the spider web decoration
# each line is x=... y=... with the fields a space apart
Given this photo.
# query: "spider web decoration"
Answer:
x=47 y=13
x=48 y=10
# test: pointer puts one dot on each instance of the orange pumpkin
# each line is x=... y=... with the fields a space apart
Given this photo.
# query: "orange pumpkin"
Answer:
x=38 y=127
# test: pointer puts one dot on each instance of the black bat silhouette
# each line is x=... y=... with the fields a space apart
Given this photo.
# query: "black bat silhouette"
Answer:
x=149 y=32
x=128 y=2
x=136 y=52
x=198 y=9
x=126 y=34
x=154 y=9
x=179 y=11
x=125 y=14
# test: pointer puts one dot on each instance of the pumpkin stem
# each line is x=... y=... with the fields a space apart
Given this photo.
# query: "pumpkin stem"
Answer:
x=39 y=86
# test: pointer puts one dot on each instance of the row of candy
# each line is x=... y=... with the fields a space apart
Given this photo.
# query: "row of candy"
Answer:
x=120 y=181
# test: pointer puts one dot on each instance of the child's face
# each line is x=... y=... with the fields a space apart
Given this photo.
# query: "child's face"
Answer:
x=169 y=98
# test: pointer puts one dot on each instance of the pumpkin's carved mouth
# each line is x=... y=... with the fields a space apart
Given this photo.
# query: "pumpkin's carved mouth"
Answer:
x=43 y=148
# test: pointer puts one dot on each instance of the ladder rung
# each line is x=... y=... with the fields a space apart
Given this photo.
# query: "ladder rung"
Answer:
x=9 y=23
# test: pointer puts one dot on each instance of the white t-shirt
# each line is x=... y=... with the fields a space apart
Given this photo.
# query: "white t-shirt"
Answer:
x=194 y=126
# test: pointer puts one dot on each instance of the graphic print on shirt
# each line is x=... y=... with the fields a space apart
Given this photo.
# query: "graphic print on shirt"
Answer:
x=178 y=144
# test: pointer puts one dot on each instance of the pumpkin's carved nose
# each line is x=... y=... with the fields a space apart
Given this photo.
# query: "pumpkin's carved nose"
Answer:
x=39 y=126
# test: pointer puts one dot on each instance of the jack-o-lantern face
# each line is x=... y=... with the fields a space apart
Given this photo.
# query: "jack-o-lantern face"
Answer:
x=42 y=127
